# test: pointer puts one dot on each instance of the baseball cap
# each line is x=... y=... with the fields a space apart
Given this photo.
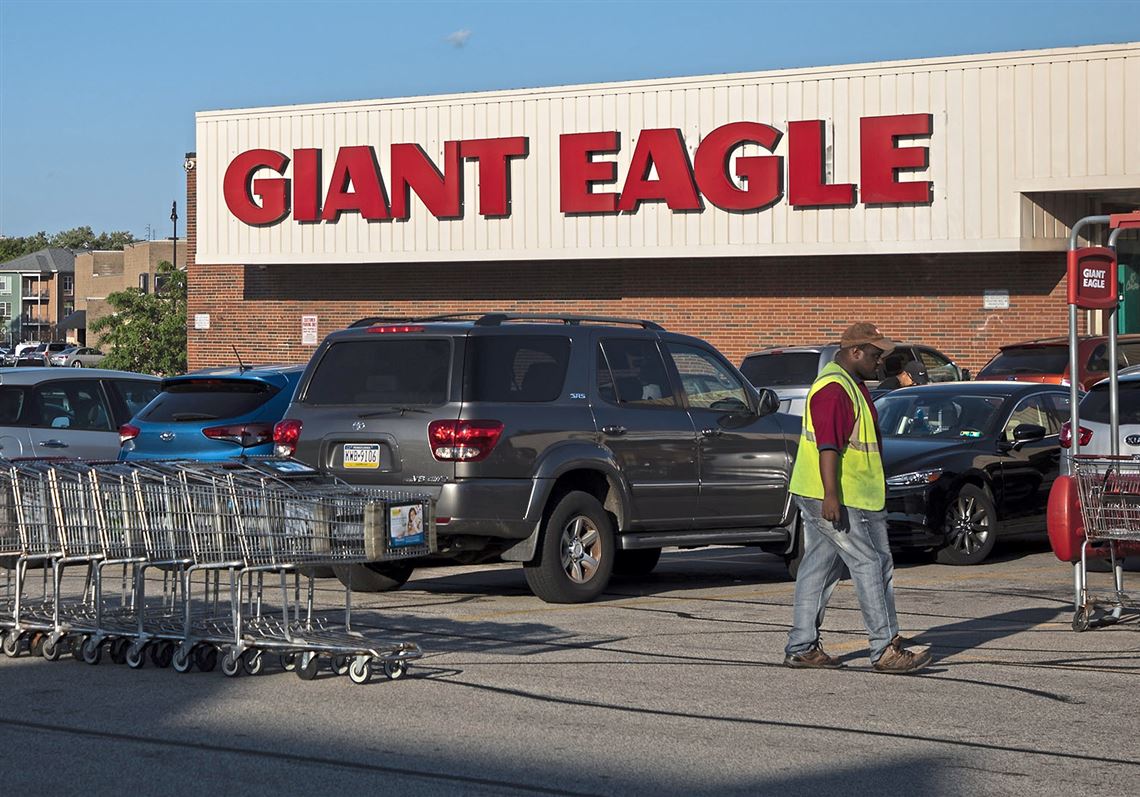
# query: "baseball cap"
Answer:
x=864 y=332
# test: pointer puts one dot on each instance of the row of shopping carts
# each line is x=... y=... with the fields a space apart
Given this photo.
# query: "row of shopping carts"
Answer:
x=188 y=563
x=1108 y=490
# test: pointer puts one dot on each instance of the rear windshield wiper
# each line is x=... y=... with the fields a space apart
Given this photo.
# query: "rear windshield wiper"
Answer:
x=389 y=411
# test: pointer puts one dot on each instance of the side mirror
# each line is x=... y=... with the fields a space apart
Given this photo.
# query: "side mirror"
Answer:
x=1027 y=432
x=966 y=375
x=769 y=402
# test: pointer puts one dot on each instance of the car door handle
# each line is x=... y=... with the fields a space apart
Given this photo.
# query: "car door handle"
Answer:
x=53 y=444
x=712 y=432
x=614 y=429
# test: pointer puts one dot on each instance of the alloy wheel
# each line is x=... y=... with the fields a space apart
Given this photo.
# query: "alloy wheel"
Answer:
x=968 y=524
x=581 y=549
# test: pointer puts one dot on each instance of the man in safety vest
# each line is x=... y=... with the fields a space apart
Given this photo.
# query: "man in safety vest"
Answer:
x=840 y=489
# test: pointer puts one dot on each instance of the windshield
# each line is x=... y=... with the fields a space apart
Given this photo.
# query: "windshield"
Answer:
x=385 y=370
x=1094 y=406
x=782 y=368
x=937 y=416
x=1027 y=360
x=191 y=400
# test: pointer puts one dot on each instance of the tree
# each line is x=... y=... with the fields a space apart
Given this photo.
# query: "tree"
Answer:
x=147 y=331
x=76 y=239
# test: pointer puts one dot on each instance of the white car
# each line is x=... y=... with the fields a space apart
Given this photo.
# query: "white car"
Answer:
x=78 y=357
x=1094 y=432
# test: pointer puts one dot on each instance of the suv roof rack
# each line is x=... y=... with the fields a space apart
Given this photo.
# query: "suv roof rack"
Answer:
x=496 y=319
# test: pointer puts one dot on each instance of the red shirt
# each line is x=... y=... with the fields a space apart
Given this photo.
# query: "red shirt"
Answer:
x=833 y=416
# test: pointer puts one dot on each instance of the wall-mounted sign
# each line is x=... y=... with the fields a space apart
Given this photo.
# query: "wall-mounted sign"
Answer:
x=308 y=330
x=995 y=299
x=1092 y=278
x=201 y=321
x=265 y=187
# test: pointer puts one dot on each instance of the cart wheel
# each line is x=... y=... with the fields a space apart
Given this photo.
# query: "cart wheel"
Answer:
x=206 y=657
x=289 y=662
x=162 y=653
x=136 y=656
x=361 y=670
x=307 y=666
x=118 y=648
x=340 y=664
x=11 y=645
x=252 y=662
x=77 y=643
x=1081 y=620
x=395 y=670
x=92 y=651
x=231 y=664
x=36 y=647
x=51 y=648
x=183 y=661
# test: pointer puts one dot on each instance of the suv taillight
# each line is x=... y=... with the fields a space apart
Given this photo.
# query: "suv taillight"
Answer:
x=1067 y=435
x=128 y=433
x=245 y=435
x=463 y=441
x=286 y=433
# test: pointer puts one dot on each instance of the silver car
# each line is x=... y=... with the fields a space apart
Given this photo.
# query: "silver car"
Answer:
x=78 y=357
x=47 y=412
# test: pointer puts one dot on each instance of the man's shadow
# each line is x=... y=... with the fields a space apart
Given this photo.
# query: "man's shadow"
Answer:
x=976 y=632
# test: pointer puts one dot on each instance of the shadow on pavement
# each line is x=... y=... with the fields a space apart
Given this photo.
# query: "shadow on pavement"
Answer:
x=978 y=632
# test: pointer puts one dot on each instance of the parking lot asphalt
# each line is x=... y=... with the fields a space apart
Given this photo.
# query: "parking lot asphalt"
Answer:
x=670 y=684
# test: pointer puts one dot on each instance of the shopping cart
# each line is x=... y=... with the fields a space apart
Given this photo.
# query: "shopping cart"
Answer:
x=1109 y=490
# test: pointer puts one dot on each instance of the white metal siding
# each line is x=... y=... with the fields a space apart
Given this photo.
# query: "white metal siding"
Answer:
x=1044 y=122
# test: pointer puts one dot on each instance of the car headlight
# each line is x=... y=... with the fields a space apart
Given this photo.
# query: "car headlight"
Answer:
x=915 y=478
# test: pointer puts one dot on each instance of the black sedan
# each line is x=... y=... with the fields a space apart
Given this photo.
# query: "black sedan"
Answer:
x=967 y=462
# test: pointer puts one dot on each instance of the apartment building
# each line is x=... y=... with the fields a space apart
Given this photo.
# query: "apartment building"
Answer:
x=37 y=291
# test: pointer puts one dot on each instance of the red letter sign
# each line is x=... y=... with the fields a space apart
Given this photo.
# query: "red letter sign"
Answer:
x=806 y=188
x=413 y=170
x=307 y=184
x=492 y=155
x=665 y=150
x=1092 y=277
x=274 y=191
x=577 y=171
x=763 y=173
x=356 y=166
x=881 y=159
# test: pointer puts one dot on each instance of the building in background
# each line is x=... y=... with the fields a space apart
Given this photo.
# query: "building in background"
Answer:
x=933 y=196
x=36 y=291
x=98 y=274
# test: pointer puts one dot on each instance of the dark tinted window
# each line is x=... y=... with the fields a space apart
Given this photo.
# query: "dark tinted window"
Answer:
x=387 y=370
x=1027 y=360
x=785 y=368
x=516 y=368
x=1094 y=406
x=135 y=393
x=70 y=404
x=632 y=373
x=11 y=404
x=207 y=400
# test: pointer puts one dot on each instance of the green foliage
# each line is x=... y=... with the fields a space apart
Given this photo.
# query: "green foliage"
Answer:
x=78 y=239
x=147 y=331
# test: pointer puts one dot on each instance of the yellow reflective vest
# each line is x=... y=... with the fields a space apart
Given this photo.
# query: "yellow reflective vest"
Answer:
x=861 y=481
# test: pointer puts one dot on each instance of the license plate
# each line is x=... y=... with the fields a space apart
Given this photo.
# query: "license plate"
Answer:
x=362 y=455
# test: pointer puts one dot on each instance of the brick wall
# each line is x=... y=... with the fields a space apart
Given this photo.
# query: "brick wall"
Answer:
x=737 y=304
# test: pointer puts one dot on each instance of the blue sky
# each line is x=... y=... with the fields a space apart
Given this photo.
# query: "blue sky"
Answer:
x=97 y=99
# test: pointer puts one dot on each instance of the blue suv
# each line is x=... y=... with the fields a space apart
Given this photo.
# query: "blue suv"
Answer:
x=212 y=414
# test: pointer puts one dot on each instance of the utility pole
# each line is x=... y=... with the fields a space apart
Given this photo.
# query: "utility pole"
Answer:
x=174 y=219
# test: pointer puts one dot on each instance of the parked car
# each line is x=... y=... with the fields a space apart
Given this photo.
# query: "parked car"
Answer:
x=212 y=414
x=969 y=463
x=51 y=412
x=1047 y=360
x=790 y=370
x=579 y=447
x=1094 y=420
x=41 y=354
x=77 y=357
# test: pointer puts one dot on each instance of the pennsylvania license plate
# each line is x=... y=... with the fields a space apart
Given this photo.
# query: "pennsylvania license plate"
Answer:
x=362 y=455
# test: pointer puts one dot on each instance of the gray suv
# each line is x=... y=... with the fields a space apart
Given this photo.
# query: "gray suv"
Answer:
x=579 y=446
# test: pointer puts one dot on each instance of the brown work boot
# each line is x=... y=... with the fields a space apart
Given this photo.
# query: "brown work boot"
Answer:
x=897 y=659
x=813 y=659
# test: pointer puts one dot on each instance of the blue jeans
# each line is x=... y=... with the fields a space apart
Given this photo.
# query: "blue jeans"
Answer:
x=859 y=540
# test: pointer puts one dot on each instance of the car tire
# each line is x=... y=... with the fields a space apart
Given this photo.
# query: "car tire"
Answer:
x=77 y=364
x=375 y=576
x=576 y=552
x=971 y=527
x=636 y=562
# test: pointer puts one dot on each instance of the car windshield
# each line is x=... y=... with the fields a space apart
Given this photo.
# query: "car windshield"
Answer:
x=1094 y=406
x=938 y=416
x=781 y=368
x=1027 y=360
x=384 y=371
x=190 y=400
